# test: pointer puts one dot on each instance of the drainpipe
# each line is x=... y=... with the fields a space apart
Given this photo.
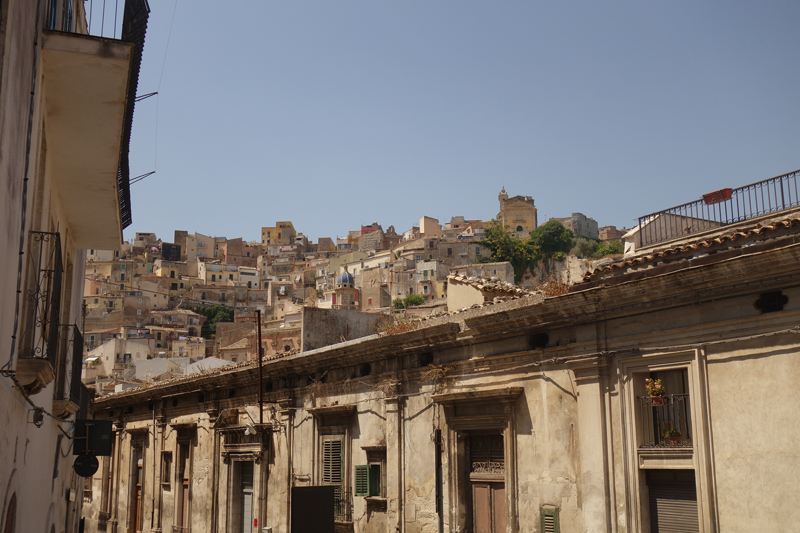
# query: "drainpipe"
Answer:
x=115 y=480
x=402 y=438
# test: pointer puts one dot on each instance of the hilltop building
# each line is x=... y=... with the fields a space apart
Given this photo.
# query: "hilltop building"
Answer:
x=517 y=213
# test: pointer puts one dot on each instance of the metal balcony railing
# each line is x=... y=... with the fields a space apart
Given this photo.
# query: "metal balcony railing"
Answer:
x=665 y=421
x=720 y=208
x=341 y=504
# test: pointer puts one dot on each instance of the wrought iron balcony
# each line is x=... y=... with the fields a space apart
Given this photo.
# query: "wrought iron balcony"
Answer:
x=720 y=208
x=665 y=422
x=341 y=504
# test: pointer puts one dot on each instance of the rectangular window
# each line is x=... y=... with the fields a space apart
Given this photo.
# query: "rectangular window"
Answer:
x=138 y=311
x=368 y=480
x=172 y=274
x=122 y=276
x=332 y=456
x=213 y=277
x=166 y=470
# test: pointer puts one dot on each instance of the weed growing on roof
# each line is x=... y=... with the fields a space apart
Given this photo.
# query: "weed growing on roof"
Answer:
x=391 y=325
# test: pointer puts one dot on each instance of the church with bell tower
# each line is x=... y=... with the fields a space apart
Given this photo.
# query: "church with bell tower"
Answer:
x=517 y=213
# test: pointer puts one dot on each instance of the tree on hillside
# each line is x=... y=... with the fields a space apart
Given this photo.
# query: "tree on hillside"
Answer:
x=552 y=240
x=506 y=247
x=214 y=315
x=611 y=248
x=409 y=301
x=591 y=249
x=584 y=248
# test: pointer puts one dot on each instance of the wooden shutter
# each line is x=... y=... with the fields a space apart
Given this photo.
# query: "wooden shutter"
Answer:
x=368 y=480
x=332 y=460
x=362 y=480
x=549 y=520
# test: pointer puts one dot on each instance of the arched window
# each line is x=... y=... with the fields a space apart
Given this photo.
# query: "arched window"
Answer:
x=11 y=515
x=519 y=228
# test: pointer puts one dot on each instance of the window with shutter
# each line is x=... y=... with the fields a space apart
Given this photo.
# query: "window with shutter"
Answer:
x=368 y=480
x=362 y=480
x=332 y=460
x=549 y=520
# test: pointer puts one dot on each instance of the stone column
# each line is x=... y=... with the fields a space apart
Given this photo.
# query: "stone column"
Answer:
x=287 y=420
x=394 y=464
x=591 y=380
x=158 y=448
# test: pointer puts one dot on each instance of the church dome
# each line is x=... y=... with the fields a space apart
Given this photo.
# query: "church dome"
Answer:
x=346 y=278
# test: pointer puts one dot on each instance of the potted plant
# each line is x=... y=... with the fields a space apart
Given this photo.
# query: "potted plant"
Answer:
x=656 y=391
x=674 y=437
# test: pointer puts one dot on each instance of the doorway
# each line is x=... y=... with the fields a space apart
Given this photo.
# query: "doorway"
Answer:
x=487 y=488
x=242 y=497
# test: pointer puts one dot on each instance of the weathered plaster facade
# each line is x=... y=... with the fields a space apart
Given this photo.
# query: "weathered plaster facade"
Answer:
x=532 y=410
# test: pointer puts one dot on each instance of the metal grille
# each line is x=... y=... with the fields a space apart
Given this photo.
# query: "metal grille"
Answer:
x=721 y=208
x=69 y=386
x=44 y=297
x=486 y=454
x=673 y=501
x=667 y=425
x=341 y=504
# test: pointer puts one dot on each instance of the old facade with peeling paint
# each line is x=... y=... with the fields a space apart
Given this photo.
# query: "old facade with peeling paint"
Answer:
x=525 y=415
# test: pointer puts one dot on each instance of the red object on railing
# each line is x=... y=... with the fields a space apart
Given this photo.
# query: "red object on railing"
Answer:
x=718 y=196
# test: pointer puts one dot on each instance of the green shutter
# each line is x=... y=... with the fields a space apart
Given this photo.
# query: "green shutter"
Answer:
x=362 y=480
x=332 y=460
x=549 y=520
x=368 y=480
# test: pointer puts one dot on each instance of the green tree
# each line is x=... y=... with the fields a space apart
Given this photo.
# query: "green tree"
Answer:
x=613 y=247
x=552 y=240
x=584 y=248
x=413 y=299
x=214 y=315
x=506 y=247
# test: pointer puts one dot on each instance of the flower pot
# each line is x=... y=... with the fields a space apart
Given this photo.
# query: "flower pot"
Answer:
x=674 y=441
x=658 y=400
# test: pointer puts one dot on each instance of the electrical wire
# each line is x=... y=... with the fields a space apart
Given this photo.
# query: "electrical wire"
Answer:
x=161 y=77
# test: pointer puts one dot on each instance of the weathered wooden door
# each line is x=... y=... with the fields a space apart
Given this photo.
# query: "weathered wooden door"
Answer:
x=185 y=513
x=487 y=483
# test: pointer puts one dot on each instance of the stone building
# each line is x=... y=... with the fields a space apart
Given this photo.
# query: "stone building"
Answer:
x=517 y=213
x=66 y=111
x=580 y=225
x=522 y=413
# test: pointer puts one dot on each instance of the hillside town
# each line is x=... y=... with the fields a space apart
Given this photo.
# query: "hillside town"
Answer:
x=510 y=375
x=144 y=304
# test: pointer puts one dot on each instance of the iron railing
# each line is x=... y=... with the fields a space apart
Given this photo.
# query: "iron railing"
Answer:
x=69 y=383
x=341 y=504
x=721 y=208
x=41 y=335
x=665 y=421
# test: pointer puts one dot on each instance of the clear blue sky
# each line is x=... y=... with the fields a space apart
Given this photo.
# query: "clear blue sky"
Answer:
x=337 y=114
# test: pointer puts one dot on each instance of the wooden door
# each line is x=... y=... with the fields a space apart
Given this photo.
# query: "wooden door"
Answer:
x=185 y=513
x=488 y=507
x=487 y=483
